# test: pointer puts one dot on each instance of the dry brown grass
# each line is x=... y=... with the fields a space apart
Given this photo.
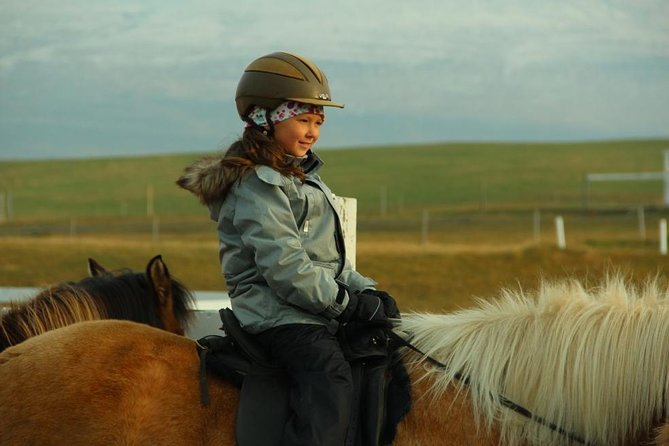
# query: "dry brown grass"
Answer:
x=429 y=277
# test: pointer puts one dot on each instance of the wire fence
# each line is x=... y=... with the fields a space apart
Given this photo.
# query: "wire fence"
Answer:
x=636 y=228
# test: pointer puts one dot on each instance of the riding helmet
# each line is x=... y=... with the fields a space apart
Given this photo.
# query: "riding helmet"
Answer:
x=278 y=77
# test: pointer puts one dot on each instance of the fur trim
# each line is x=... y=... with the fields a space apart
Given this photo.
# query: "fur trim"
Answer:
x=205 y=178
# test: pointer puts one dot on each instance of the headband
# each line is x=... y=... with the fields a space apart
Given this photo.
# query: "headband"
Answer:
x=287 y=110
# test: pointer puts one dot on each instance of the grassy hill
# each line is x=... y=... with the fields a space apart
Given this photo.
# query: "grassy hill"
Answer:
x=399 y=179
x=481 y=199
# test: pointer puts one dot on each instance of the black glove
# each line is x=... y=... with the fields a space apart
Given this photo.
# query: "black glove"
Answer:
x=370 y=310
x=365 y=308
x=389 y=303
x=348 y=312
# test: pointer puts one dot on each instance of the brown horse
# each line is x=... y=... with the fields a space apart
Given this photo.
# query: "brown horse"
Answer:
x=152 y=297
x=595 y=365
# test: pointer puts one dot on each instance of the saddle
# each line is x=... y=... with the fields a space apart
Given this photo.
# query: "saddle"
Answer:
x=381 y=385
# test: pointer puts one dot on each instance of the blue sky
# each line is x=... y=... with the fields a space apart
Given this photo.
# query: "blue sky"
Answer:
x=84 y=78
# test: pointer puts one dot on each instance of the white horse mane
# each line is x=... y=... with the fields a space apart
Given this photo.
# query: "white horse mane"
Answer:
x=594 y=363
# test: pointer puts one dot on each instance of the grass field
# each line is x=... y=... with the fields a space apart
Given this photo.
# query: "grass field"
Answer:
x=480 y=198
x=441 y=177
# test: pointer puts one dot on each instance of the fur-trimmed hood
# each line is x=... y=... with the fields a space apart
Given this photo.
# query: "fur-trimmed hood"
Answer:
x=206 y=179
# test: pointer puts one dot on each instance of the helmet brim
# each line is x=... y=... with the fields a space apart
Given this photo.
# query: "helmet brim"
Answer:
x=312 y=101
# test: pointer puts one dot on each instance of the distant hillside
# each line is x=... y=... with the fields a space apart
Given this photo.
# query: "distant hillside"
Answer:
x=398 y=178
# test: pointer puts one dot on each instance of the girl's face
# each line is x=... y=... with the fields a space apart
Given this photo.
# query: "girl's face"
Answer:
x=298 y=134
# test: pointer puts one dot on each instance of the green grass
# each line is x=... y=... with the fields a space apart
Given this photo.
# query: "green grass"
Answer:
x=480 y=198
x=440 y=176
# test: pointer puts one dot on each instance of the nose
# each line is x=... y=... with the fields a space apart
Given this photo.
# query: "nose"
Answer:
x=313 y=131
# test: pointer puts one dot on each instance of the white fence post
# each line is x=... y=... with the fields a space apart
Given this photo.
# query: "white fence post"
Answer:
x=559 y=228
x=663 y=236
x=347 y=208
x=536 y=225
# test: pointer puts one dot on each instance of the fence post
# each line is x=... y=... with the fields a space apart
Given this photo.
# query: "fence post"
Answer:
x=559 y=227
x=347 y=209
x=536 y=225
x=3 y=217
x=73 y=227
x=663 y=236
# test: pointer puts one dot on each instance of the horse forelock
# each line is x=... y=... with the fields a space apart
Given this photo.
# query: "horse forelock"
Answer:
x=594 y=362
x=54 y=307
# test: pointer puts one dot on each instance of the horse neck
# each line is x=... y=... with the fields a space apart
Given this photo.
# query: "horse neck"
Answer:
x=55 y=307
x=446 y=418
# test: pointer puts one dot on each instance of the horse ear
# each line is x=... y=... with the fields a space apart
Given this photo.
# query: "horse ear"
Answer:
x=95 y=269
x=159 y=276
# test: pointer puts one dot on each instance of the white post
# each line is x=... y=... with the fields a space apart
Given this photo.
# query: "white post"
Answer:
x=536 y=224
x=663 y=236
x=559 y=227
x=149 y=200
x=347 y=208
x=425 y=226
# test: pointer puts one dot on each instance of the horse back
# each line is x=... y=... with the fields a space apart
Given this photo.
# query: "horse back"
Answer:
x=109 y=382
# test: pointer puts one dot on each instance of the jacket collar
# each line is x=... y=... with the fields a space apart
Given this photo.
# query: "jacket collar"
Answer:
x=310 y=162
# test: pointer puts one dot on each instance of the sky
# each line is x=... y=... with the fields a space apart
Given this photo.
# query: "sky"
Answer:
x=91 y=78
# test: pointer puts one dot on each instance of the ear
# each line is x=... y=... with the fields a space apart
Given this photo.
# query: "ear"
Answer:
x=159 y=277
x=95 y=269
x=161 y=284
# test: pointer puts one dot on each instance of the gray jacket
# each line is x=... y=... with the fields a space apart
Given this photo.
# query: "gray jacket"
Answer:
x=282 y=251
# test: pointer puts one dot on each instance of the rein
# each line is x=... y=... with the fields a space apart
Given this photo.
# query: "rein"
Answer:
x=503 y=400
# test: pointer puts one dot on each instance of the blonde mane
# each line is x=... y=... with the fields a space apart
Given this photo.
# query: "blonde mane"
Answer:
x=595 y=363
x=54 y=307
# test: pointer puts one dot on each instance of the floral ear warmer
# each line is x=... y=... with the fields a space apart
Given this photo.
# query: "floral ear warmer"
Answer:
x=286 y=110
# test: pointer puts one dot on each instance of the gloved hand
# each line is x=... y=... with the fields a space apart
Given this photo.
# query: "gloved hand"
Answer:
x=370 y=310
x=389 y=303
x=366 y=308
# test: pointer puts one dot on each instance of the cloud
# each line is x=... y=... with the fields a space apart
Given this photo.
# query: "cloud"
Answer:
x=598 y=67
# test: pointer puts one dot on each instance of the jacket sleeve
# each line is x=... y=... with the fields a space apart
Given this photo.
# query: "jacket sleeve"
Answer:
x=354 y=280
x=266 y=223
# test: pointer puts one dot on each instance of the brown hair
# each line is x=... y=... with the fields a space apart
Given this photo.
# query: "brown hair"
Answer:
x=211 y=178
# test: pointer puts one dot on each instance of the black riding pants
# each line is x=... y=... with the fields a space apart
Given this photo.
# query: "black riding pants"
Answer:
x=321 y=383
